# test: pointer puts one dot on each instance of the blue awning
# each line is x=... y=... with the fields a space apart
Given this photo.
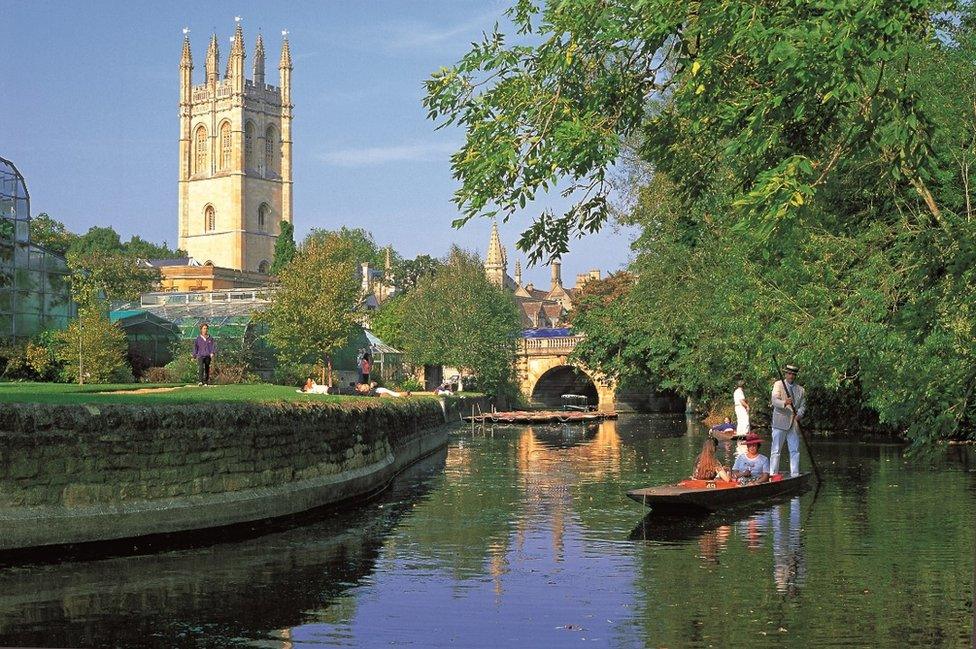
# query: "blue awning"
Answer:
x=561 y=332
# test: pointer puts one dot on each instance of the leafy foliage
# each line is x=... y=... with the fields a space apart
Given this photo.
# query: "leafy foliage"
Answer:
x=408 y=272
x=285 y=249
x=92 y=349
x=51 y=234
x=456 y=317
x=800 y=172
x=314 y=307
x=362 y=242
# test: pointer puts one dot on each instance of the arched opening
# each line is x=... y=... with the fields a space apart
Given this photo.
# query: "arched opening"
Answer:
x=263 y=217
x=270 y=151
x=226 y=147
x=249 y=145
x=263 y=266
x=209 y=219
x=200 y=151
x=564 y=379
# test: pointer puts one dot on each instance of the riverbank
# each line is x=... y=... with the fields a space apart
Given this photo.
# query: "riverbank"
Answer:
x=86 y=473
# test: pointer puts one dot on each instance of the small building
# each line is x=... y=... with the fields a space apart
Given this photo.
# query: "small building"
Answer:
x=189 y=275
x=150 y=337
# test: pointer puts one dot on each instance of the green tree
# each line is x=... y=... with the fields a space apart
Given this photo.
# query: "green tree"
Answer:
x=801 y=177
x=112 y=276
x=408 y=272
x=284 y=250
x=51 y=234
x=314 y=307
x=363 y=244
x=457 y=317
x=139 y=248
x=92 y=349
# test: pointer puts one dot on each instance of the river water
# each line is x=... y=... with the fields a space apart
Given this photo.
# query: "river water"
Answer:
x=522 y=537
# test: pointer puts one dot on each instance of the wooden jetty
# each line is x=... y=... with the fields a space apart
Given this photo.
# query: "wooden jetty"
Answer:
x=539 y=416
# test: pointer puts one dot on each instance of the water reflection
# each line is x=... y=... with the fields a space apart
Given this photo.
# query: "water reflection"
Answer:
x=523 y=530
x=779 y=523
x=221 y=592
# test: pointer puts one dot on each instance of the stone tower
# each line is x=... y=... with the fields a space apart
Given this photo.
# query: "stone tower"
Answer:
x=235 y=157
x=496 y=265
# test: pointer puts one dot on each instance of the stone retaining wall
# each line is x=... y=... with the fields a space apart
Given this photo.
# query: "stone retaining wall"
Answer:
x=74 y=474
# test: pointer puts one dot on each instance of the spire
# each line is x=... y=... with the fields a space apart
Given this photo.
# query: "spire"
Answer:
x=235 y=63
x=495 y=266
x=186 y=70
x=186 y=60
x=213 y=61
x=518 y=272
x=285 y=52
x=259 y=62
x=388 y=263
x=496 y=254
x=237 y=47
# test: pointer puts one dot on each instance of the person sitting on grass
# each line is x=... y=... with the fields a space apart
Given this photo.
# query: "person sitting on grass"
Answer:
x=444 y=389
x=707 y=466
x=751 y=467
x=311 y=387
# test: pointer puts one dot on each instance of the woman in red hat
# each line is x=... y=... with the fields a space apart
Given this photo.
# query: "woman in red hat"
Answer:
x=751 y=466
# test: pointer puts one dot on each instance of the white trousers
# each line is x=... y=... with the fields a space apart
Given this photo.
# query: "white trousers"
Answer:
x=741 y=420
x=792 y=442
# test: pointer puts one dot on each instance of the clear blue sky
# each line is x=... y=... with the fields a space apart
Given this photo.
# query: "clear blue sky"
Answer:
x=89 y=115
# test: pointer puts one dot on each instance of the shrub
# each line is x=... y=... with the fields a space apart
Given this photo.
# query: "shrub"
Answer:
x=93 y=347
x=410 y=384
x=158 y=375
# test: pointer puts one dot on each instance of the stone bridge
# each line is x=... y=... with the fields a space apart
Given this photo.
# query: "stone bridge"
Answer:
x=545 y=372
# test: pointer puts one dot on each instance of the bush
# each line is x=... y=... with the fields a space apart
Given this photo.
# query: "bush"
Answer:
x=158 y=375
x=93 y=347
x=410 y=384
x=182 y=369
x=232 y=365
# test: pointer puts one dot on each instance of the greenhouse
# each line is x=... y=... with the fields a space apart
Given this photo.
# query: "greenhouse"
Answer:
x=157 y=318
x=34 y=289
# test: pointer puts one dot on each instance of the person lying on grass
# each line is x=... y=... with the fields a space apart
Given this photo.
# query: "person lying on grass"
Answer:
x=372 y=390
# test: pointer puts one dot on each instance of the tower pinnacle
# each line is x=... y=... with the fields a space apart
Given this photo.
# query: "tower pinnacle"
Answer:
x=285 y=62
x=213 y=61
x=259 y=62
x=496 y=266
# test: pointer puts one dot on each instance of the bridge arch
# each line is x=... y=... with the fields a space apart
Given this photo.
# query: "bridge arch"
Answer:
x=563 y=379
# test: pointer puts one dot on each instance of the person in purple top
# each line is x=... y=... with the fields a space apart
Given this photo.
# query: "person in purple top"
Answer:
x=204 y=350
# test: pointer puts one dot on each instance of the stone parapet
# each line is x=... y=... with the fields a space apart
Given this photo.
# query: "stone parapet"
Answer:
x=80 y=474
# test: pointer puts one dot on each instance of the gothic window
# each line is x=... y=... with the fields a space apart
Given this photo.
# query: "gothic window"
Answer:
x=263 y=212
x=270 y=150
x=200 y=165
x=209 y=219
x=225 y=146
x=248 y=145
x=263 y=266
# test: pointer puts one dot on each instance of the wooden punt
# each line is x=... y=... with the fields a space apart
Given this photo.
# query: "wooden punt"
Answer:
x=704 y=496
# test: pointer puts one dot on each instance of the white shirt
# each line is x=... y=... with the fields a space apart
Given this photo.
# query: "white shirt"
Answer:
x=739 y=397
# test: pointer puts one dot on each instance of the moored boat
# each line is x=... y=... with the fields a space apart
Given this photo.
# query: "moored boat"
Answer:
x=703 y=496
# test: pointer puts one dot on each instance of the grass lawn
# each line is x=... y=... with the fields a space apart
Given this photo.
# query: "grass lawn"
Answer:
x=127 y=394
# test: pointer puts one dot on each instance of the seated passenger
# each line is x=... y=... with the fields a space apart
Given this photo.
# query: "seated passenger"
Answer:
x=751 y=467
x=444 y=389
x=726 y=425
x=707 y=466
